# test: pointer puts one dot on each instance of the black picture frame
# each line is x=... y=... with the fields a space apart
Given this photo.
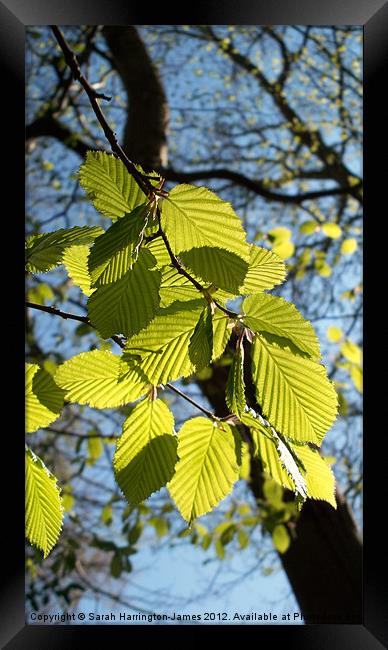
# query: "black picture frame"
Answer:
x=373 y=16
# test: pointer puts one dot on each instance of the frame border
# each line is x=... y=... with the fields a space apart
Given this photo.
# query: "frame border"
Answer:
x=15 y=15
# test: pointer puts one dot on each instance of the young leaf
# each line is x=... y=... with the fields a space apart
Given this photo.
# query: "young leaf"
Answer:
x=222 y=268
x=75 y=260
x=109 y=186
x=194 y=216
x=201 y=341
x=275 y=454
x=128 y=305
x=44 y=511
x=44 y=251
x=352 y=352
x=266 y=313
x=162 y=347
x=115 y=251
x=44 y=399
x=207 y=467
x=281 y=538
x=146 y=452
x=235 y=387
x=221 y=333
x=319 y=476
x=265 y=271
x=99 y=379
x=332 y=230
x=294 y=393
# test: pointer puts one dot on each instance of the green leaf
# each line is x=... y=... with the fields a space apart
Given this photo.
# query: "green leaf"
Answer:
x=284 y=250
x=115 y=251
x=324 y=269
x=207 y=467
x=159 y=251
x=224 y=269
x=281 y=538
x=116 y=566
x=352 y=352
x=109 y=186
x=332 y=230
x=294 y=393
x=319 y=476
x=128 y=305
x=265 y=271
x=219 y=548
x=348 y=246
x=222 y=330
x=44 y=251
x=276 y=454
x=308 y=227
x=161 y=525
x=146 y=452
x=106 y=514
x=75 y=260
x=95 y=447
x=281 y=244
x=40 y=293
x=235 y=387
x=243 y=538
x=175 y=286
x=245 y=465
x=334 y=334
x=279 y=235
x=266 y=313
x=193 y=217
x=44 y=511
x=201 y=342
x=44 y=399
x=161 y=349
x=99 y=379
x=356 y=375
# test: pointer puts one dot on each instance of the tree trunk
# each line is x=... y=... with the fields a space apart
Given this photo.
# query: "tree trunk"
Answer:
x=145 y=134
x=324 y=560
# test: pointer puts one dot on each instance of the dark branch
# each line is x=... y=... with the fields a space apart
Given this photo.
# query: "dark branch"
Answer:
x=73 y=64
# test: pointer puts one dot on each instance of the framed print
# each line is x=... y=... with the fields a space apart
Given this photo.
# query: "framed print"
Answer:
x=194 y=270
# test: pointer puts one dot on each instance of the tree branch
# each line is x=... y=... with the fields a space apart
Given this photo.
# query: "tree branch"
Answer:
x=93 y=95
x=116 y=339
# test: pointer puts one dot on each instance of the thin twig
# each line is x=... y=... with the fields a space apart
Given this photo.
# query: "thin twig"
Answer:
x=188 y=399
x=93 y=95
x=116 y=339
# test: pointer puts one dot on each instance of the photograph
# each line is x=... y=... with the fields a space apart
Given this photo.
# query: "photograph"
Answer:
x=194 y=240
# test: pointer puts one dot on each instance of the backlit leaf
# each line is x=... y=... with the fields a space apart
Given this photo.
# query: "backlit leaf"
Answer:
x=99 y=379
x=146 y=453
x=44 y=511
x=193 y=217
x=128 y=305
x=44 y=398
x=294 y=393
x=265 y=271
x=109 y=186
x=207 y=467
x=266 y=313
